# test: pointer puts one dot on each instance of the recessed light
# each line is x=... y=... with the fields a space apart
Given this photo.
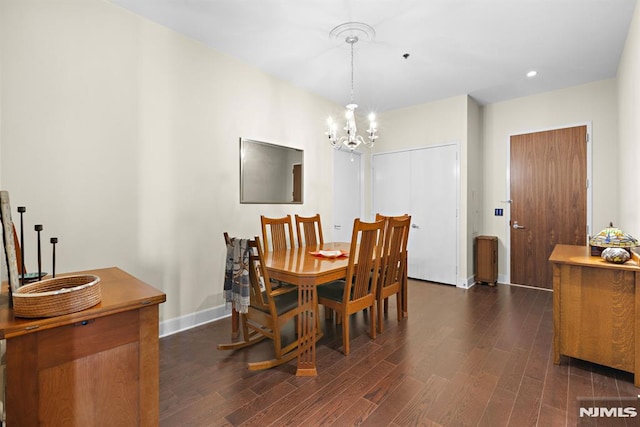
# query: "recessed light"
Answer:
x=532 y=73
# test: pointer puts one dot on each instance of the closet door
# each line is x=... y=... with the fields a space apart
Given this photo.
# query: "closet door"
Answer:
x=391 y=176
x=423 y=183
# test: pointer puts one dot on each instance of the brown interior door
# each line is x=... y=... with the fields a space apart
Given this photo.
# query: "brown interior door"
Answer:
x=548 y=179
x=297 y=183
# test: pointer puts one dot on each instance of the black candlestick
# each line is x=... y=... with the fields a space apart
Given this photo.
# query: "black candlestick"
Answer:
x=54 y=240
x=21 y=210
x=38 y=228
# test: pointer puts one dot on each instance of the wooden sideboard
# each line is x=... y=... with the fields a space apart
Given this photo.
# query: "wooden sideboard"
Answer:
x=596 y=309
x=97 y=367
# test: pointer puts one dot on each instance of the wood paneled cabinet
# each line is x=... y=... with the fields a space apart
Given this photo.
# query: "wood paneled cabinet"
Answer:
x=97 y=367
x=596 y=309
x=486 y=259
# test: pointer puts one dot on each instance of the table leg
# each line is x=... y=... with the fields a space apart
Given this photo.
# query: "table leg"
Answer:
x=307 y=301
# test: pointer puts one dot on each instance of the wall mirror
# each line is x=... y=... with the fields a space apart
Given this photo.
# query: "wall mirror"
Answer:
x=270 y=173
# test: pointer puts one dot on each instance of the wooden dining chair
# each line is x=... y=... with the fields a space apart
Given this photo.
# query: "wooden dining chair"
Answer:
x=392 y=264
x=311 y=228
x=269 y=311
x=277 y=233
x=405 y=260
x=358 y=290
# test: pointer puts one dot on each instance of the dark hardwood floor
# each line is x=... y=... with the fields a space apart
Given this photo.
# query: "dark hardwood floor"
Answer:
x=477 y=357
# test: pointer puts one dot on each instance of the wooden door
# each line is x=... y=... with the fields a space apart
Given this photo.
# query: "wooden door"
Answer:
x=297 y=183
x=548 y=181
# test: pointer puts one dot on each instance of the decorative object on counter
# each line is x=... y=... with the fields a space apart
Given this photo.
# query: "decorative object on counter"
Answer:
x=611 y=237
x=23 y=276
x=23 y=270
x=56 y=297
x=9 y=243
x=38 y=228
x=615 y=255
x=329 y=254
x=53 y=241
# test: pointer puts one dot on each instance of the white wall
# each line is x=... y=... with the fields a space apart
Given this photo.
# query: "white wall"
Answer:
x=475 y=188
x=595 y=103
x=629 y=122
x=121 y=138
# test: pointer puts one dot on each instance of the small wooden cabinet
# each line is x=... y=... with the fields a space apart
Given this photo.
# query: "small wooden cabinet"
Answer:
x=486 y=259
x=596 y=309
x=96 y=367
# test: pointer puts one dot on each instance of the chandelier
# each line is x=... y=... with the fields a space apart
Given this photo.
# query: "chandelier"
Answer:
x=352 y=140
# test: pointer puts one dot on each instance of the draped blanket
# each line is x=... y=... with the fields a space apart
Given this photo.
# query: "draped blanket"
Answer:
x=236 y=276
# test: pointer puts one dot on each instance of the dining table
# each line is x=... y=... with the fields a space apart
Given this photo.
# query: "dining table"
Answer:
x=306 y=268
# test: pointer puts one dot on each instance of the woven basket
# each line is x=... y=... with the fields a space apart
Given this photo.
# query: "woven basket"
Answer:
x=57 y=296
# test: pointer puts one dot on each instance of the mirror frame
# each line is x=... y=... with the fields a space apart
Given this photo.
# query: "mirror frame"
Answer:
x=283 y=160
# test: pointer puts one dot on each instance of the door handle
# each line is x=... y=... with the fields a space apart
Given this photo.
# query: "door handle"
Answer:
x=517 y=226
x=337 y=227
x=414 y=226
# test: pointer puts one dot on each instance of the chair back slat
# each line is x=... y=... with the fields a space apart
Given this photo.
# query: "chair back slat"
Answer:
x=364 y=259
x=258 y=276
x=311 y=229
x=277 y=233
x=394 y=250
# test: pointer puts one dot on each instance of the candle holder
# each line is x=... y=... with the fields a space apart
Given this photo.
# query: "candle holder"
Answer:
x=23 y=270
x=38 y=228
x=53 y=241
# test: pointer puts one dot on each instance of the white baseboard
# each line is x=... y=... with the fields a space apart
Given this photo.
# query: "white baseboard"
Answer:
x=466 y=284
x=192 y=320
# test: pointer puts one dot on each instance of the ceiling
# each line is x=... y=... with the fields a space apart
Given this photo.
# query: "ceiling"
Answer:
x=483 y=48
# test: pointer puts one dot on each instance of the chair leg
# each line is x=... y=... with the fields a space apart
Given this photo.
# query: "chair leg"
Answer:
x=380 y=326
x=250 y=337
x=317 y=316
x=245 y=328
x=372 y=321
x=277 y=344
x=235 y=323
x=399 y=306
x=345 y=333
x=404 y=292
